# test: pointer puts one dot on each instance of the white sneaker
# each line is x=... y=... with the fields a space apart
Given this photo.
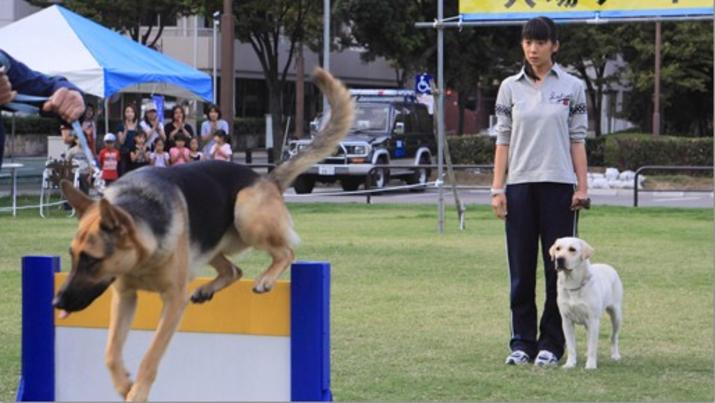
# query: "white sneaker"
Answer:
x=546 y=358
x=517 y=357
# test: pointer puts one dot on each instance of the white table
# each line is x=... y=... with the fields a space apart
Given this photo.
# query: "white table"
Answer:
x=13 y=166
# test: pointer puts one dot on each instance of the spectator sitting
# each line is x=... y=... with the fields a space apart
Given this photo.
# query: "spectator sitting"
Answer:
x=140 y=154
x=109 y=159
x=178 y=126
x=221 y=150
x=210 y=126
x=195 y=154
x=89 y=127
x=159 y=157
x=179 y=154
x=77 y=156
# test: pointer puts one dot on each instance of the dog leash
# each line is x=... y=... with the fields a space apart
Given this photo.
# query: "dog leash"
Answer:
x=584 y=203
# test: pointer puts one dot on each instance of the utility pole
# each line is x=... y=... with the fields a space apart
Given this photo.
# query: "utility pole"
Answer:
x=326 y=46
x=227 y=68
x=299 y=92
x=656 y=95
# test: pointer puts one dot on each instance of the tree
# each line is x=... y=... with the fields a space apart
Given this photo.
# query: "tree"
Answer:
x=588 y=49
x=387 y=29
x=266 y=24
x=129 y=16
x=686 y=75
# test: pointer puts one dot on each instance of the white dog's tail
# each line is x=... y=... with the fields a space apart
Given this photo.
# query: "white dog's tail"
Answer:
x=326 y=142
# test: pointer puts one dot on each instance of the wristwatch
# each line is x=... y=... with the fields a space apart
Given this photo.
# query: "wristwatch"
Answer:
x=497 y=191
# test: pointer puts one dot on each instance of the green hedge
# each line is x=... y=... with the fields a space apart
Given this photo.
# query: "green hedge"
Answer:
x=31 y=125
x=623 y=151
x=635 y=150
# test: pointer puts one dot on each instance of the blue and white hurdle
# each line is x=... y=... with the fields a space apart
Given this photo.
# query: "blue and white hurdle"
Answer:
x=238 y=346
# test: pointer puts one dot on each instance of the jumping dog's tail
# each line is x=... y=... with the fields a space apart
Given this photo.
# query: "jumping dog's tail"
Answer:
x=325 y=142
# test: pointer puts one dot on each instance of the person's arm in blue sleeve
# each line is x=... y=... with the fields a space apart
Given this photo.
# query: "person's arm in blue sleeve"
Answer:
x=65 y=99
x=27 y=81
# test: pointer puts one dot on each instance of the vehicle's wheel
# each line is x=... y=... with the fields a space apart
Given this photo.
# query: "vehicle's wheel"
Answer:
x=304 y=184
x=420 y=176
x=350 y=184
x=381 y=176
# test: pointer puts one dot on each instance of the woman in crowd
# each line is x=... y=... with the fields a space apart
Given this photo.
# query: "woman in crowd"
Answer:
x=178 y=126
x=210 y=126
x=126 y=132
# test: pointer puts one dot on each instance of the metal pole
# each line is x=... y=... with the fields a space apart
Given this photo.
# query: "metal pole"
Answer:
x=196 y=41
x=440 y=117
x=656 y=95
x=215 y=55
x=326 y=45
x=228 y=70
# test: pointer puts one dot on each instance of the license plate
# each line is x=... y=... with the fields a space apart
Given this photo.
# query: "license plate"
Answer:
x=326 y=170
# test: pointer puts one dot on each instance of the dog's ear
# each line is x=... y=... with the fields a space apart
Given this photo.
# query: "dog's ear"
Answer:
x=586 y=250
x=113 y=219
x=552 y=251
x=78 y=200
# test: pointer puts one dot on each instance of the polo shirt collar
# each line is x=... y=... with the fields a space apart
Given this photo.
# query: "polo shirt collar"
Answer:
x=555 y=70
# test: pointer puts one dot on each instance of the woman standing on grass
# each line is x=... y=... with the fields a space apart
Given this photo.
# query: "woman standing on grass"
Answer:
x=541 y=131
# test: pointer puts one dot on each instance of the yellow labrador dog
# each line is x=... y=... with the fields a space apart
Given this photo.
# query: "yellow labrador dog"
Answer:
x=585 y=290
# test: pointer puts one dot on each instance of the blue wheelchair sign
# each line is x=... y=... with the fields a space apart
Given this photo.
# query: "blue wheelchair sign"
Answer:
x=422 y=83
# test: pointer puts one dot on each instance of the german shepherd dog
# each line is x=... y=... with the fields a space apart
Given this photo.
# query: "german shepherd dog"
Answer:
x=154 y=227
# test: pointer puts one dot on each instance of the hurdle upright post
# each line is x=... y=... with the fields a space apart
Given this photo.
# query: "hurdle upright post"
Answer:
x=38 y=329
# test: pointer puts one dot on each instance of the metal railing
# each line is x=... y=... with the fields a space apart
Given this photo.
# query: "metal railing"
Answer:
x=663 y=168
x=369 y=179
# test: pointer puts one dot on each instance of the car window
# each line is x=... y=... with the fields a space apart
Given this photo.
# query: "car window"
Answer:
x=371 y=117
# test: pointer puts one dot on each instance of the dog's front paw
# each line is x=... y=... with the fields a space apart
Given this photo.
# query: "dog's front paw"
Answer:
x=569 y=364
x=590 y=364
x=262 y=285
x=202 y=295
x=616 y=356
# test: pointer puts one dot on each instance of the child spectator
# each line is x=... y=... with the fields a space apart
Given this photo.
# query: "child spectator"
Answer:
x=159 y=157
x=179 y=154
x=140 y=154
x=221 y=150
x=109 y=159
x=195 y=154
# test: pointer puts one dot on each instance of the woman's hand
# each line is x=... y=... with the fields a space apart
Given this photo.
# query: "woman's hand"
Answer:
x=580 y=200
x=499 y=205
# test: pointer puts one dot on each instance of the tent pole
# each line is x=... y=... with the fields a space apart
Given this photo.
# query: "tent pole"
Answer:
x=106 y=115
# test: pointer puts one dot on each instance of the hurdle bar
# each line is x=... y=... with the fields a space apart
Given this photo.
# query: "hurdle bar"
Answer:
x=239 y=346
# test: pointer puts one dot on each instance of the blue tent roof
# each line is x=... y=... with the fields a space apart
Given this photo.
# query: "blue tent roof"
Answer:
x=126 y=62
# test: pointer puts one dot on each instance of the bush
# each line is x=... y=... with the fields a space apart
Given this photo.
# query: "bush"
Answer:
x=635 y=150
x=595 y=151
x=471 y=149
x=31 y=125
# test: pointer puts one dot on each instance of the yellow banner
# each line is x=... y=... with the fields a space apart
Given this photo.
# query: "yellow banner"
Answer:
x=565 y=9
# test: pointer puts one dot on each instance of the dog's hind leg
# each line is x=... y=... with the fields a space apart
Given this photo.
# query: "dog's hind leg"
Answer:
x=124 y=304
x=228 y=273
x=592 y=326
x=614 y=312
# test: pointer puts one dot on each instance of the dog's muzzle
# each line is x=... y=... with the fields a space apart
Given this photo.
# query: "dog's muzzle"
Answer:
x=72 y=297
x=560 y=264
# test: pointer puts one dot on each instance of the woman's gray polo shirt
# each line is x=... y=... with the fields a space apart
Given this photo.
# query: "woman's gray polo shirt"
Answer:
x=539 y=124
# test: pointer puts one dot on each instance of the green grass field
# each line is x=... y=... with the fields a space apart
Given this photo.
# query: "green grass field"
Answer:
x=422 y=316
